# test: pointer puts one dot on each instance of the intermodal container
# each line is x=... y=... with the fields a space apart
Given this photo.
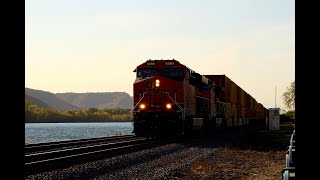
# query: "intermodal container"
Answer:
x=225 y=83
x=233 y=92
x=238 y=89
x=246 y=100
x=242 y=98
x=254 y=109
x=243 y=112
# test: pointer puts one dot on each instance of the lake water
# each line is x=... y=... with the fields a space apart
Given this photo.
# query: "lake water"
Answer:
x=50 y=132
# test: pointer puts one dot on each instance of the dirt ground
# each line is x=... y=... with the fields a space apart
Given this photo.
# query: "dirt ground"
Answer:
x=261 y=156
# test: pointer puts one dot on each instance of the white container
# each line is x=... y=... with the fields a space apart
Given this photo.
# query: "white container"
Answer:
x=274 y=119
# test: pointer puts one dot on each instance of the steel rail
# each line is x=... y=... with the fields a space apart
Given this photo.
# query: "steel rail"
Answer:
x=60 y=144
x=35 y=163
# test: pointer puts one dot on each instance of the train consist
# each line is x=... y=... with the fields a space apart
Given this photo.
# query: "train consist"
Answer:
x=169 y=97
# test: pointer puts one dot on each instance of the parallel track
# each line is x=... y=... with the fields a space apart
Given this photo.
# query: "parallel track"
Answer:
x=29 y=148
x=45 y=161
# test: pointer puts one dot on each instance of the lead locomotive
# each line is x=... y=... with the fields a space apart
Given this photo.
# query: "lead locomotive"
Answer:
x=172 y=98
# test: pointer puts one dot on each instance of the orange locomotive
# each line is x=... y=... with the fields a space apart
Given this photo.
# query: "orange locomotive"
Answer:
x=170 y=98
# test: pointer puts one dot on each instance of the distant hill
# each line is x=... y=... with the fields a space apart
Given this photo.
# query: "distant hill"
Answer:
x=48 y=98
x=98 y=100
x=36 y=101
x=75 y=101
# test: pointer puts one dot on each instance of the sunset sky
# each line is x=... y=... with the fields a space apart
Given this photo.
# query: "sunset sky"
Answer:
x=94 y=45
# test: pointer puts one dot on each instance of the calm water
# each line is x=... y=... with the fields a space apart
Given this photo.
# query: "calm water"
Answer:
x=49 y=132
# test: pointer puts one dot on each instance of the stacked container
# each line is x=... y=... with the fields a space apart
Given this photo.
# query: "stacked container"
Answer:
x=241 y=107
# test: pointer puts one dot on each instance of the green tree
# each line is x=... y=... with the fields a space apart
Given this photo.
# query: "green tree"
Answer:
x=289 y=96
x=34 y=113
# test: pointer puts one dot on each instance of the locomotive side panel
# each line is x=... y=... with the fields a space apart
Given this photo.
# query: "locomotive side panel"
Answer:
x=190 y=93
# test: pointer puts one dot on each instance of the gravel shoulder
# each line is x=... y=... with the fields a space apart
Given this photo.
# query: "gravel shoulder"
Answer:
x=236 y=154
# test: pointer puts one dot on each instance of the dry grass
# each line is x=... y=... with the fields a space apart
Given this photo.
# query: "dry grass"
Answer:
x=228 y=163
x=262 y=156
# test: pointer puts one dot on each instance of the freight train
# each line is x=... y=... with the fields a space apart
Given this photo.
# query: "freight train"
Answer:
x=170 y=97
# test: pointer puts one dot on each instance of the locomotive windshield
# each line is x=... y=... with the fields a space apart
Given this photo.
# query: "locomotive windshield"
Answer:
x=173 y=73
x=143 y=73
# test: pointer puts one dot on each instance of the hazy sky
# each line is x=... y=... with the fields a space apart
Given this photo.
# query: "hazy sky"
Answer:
x=94 y=45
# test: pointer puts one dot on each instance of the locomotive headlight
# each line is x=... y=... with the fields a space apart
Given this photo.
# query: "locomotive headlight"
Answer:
x=142 y=106
x=168 y=106
x=157 y=83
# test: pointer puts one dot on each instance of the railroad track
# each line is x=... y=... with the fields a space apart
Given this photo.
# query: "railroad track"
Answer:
x=29 y=148
x=52 y=159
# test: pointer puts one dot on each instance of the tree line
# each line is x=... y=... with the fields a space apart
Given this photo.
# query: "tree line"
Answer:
x=34 y=113
x=289 y=99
